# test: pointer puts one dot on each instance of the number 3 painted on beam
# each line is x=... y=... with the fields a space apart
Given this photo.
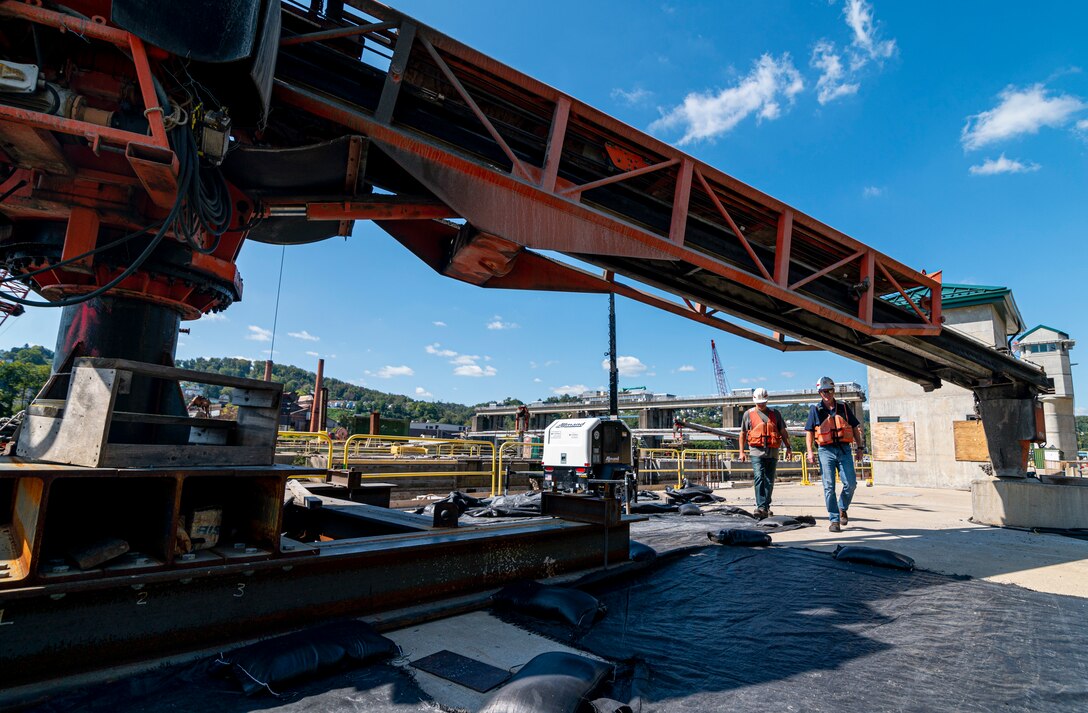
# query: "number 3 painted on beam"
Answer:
x=241 y=590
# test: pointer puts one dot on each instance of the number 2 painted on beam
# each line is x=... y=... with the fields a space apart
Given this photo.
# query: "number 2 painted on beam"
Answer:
x=5 y=623
x=141 y=598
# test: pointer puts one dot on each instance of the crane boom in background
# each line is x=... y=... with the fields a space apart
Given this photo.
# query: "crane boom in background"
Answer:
x=719 y=373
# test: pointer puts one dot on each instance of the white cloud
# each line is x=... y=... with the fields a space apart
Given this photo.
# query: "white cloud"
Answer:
x=474 y=370
x=215 y=317
x=837 y=78
x=570 y=389
x=632 y=96
x=993 y=166
x=259 y=334
x=686 y=367
x=789 y=374
x=1082 y=125
x=626 y=365
x=832 y=82
x=313 y=354
x=537 y=380
x=420 y=391
x=859 y=16
x=388 y=372
x=434 y=349
x=872 y=191
x=1021 y=111
x=753 y=380
x=304 y=336
x=465 y=359
x=497 y=323
x=439 y=324
x=760 y=92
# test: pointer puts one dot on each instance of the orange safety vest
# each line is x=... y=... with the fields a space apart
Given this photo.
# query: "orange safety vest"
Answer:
x=763 y=429
x=835 y=429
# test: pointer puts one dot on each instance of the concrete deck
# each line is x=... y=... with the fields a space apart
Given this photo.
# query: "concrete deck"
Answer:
x=932 y=526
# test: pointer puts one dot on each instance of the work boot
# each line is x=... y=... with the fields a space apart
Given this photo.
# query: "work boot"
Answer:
x=759 y=514
x=834 y=527
x=844 y=519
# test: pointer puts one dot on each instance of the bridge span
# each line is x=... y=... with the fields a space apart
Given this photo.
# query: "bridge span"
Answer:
x=655 y=411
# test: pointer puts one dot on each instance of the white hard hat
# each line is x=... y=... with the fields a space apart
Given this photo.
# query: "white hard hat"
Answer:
x=825 y=382
x=759 y=396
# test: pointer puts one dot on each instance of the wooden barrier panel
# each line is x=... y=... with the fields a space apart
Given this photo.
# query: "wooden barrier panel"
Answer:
x=970 y=441
x=894 y=442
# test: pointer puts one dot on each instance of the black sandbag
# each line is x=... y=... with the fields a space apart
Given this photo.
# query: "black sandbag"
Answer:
x=520 y=505
x=740 y=538
x=652 y=508
x=461 y=500
x=260 y=666
x=607 y=705
x=690 y=509
x=563 y=604
x=874 y=556
x=729 y=510
x=555 y=682
x=692 y=494
x=779 y=521
x=639 y=552
x=647 y=495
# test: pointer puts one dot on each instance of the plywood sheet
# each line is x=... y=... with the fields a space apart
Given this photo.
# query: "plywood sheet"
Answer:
x=894 y=442
x=970 y=441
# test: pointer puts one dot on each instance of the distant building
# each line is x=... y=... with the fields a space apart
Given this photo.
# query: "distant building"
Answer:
x=435 y=430
x=936 y=439
x=1049 y=348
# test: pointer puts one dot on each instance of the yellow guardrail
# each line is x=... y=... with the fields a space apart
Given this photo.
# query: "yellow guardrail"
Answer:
x=511 y=448
x=438 y=450
x=308 y=438
x=649 y=461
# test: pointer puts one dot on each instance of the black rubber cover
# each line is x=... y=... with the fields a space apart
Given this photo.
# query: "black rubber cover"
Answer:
x=874 y=556
x=555 y=682
x=267 y=664
x=740 y=538
x=639 y=552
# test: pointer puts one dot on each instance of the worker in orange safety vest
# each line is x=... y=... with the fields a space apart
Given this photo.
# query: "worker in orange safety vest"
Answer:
x=832 y=427
x=762 y=433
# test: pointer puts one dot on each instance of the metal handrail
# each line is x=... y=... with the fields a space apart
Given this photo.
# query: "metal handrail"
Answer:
x=497 y=476
x=655 y=454
x=310 y=436
x=445 y=449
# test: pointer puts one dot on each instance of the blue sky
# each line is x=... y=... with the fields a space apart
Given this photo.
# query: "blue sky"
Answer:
x=951 y=136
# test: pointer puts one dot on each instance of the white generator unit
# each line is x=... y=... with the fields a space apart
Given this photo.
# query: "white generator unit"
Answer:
x=581 y=449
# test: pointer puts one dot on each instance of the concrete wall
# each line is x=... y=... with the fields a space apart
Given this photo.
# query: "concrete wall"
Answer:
x=1061 y=428
x=933 y=413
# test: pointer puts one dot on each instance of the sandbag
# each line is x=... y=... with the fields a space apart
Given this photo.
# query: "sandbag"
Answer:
x=639 y=552
x=607 y=705
x=520 y=505
x=647 y=495
x=690 y=509
x=692 y=494
x=652 y=508
x=555 y=682
x=874 y=556
x=563 y=604
x=461 y=500
x=258 y=667
x=740 y=538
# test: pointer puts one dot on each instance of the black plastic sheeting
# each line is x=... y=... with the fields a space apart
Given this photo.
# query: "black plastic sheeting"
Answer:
x=720 y=629
x=553 y=682
x=192 y=688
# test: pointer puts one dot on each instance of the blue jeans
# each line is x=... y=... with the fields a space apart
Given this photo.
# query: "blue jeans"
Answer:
x=837 y=457
x=763 y=474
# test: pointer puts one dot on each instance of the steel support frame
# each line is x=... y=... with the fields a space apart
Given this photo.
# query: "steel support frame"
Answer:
x=715 y=184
